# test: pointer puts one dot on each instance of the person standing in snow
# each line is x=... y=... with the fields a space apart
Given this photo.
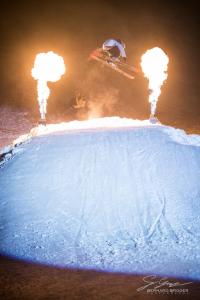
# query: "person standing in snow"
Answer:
x=115 y=49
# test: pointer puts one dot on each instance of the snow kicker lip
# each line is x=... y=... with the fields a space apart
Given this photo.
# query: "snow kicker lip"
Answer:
x=92 y=124
x=106 y=123
x=9 y=151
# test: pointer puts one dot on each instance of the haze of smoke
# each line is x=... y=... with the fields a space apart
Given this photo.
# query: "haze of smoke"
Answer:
x=102 y=97
x=103 y=103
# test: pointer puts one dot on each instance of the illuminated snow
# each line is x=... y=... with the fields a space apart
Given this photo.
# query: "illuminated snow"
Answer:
x=112 y=197
x=107 y=122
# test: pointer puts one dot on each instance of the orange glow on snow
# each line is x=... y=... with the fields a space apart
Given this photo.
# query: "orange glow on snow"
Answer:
x=92 y=124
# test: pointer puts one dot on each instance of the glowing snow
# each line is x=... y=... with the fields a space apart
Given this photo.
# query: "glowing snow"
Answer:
x=107 y=122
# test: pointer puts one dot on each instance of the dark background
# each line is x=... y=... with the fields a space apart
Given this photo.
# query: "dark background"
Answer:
x=74 y=29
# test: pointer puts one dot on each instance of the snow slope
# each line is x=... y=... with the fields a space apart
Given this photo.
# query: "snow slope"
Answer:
x=123 y=198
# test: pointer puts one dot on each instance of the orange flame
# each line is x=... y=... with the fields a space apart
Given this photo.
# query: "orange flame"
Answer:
x=47 y=67
x=154 y=63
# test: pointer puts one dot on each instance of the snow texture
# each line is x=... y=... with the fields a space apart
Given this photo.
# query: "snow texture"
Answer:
x=122 y=197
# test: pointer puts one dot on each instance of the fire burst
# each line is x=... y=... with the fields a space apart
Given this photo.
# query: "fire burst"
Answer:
x=154 y=64
x=47 y=67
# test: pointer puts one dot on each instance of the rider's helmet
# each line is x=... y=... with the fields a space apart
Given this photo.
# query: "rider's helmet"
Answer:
x=121 y=42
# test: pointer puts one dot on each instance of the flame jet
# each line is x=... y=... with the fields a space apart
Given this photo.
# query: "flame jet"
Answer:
x=154 y=63
x=47 y=67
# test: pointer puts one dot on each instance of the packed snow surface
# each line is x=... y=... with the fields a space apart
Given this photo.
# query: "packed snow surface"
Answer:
x=108 y=194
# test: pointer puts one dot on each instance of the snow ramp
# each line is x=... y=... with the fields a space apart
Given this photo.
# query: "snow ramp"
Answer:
x=116 y=198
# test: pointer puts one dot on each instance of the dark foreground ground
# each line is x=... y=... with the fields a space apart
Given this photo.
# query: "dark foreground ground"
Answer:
x=22 y=280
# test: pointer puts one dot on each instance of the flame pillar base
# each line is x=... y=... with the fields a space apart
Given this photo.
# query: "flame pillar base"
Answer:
x=43 y=108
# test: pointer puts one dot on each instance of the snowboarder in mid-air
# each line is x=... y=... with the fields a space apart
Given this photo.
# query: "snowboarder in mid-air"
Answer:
x=113 y=54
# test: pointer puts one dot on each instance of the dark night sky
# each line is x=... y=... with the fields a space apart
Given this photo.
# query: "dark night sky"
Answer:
x=74 y=28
